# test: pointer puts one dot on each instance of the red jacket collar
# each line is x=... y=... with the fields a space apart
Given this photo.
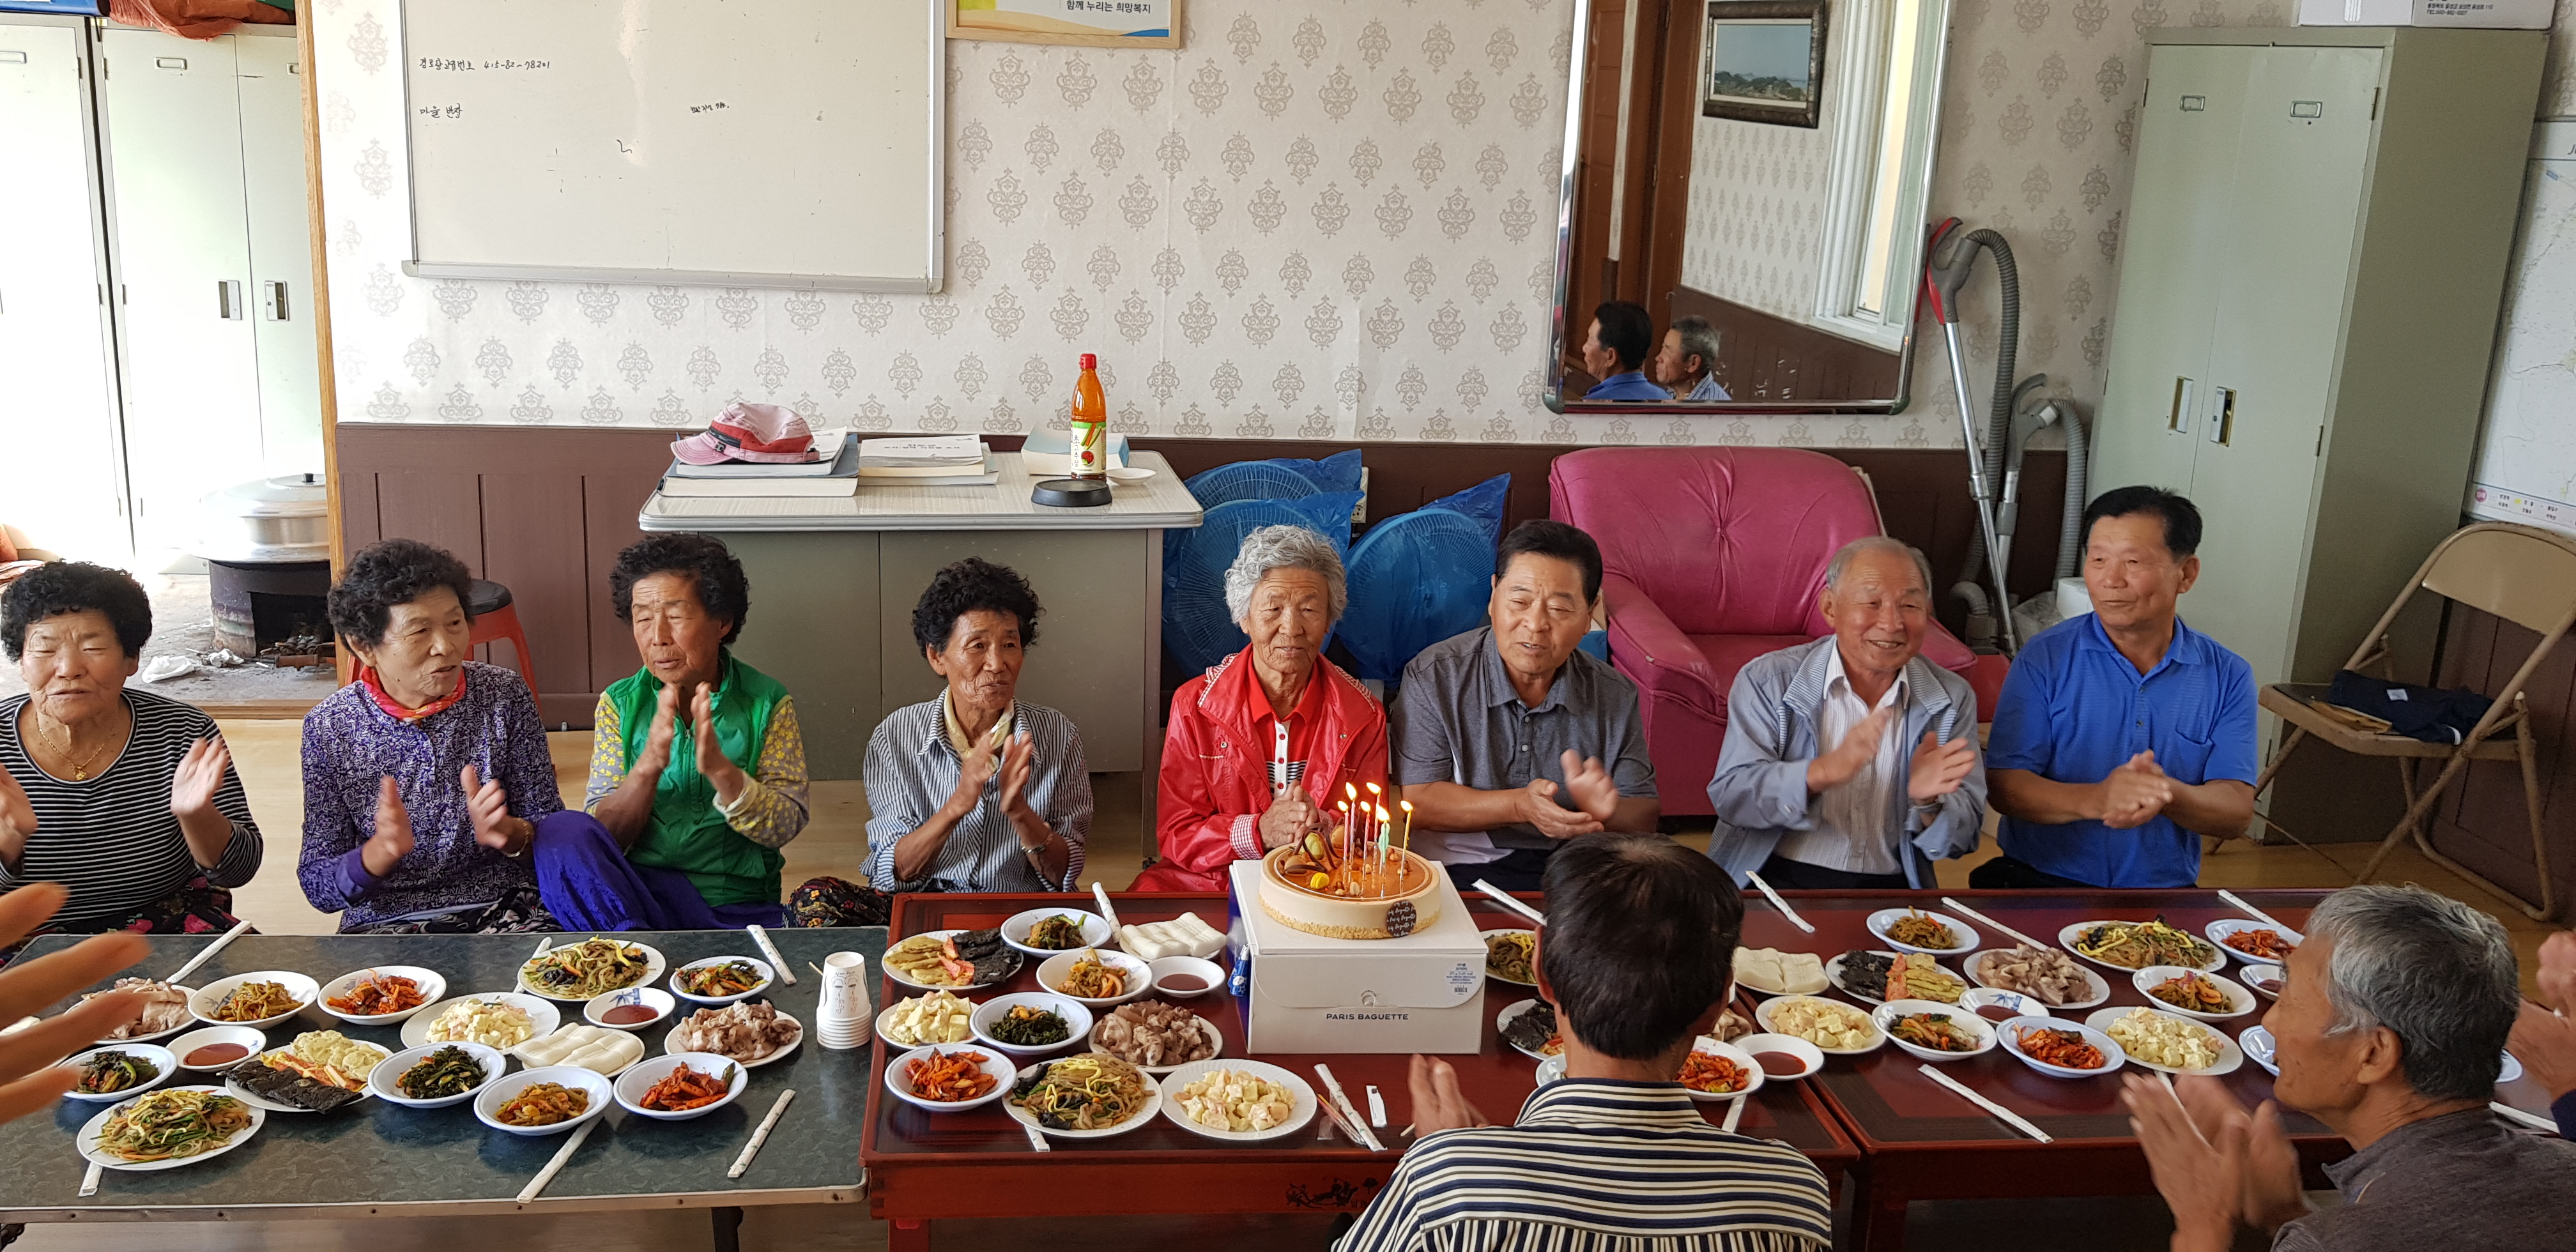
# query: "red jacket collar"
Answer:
x=1232 y=698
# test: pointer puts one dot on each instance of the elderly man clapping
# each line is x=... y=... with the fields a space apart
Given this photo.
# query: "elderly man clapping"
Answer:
x=1229 y=791
x=2390 y=1030
x=1851 y=762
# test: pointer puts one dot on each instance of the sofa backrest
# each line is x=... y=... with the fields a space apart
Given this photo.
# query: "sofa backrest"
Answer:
x=1726 y=541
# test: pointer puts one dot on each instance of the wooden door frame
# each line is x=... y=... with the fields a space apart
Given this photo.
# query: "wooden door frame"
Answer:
x=324 y=367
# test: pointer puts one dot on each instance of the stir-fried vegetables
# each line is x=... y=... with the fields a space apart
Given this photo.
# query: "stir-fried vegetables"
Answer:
x=169 y=1124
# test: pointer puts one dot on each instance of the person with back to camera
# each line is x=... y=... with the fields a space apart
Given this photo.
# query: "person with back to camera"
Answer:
x=1615 y=350
x=1638 y=959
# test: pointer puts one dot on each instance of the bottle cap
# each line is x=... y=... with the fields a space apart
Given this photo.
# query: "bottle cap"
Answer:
x=1090 y=361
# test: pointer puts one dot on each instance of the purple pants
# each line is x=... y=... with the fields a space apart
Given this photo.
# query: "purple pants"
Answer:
x=588 y=884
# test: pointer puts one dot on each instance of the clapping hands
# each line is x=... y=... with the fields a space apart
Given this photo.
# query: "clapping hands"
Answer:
x=2135 y=793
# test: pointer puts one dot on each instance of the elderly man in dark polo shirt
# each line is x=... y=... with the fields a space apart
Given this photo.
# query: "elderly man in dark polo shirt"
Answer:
x=1501 y=733
x=2390 y=1030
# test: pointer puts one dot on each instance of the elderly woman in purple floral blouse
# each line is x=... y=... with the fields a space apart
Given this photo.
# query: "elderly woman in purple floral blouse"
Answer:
x=425 y=779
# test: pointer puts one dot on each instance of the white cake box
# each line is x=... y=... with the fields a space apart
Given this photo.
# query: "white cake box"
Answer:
x=2506 y=14
x=1424 y=992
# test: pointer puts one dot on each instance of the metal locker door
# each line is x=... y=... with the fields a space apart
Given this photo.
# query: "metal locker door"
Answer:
x=2171 y=265
x=182 y=247
x=281 y=247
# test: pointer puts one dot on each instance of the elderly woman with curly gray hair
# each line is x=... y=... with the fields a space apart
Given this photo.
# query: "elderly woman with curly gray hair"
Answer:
x=1257 y=747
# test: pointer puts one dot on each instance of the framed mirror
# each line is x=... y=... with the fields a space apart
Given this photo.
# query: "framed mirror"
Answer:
x=1747 y=178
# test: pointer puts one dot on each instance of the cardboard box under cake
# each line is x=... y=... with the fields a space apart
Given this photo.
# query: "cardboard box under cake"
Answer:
x=1421 y=992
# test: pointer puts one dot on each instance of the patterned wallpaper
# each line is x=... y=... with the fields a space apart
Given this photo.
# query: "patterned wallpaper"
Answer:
x=1321 y=219
x=1757 y=204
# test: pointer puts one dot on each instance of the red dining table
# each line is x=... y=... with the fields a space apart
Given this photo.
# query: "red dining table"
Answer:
x=923 y=1167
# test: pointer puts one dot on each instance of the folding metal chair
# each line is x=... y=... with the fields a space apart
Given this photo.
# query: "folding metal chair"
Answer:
x=2522 y=574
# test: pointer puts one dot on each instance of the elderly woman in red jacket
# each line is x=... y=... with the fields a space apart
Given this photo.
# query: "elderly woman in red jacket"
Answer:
x=1229 y=790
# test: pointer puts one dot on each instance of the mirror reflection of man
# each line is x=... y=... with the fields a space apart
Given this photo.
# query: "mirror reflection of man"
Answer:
x=1687 y=364
x=1614 y=351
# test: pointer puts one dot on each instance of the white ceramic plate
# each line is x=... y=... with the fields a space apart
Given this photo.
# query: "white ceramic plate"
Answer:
x=2263 y=980
x=1488 y=936
x=207 y=1036
x=433 y=987
x=640 y=1050
x=233 y=1087
x=1983 y=1030
x=202 y=1005
x=1834 y=975
x=488 y=1102
x=188 y=1022
x=2512 y=1070
x=1127 y=475
x=2066 y=939
x=1512 y=1013
x=2218 y=931
x=2230 y=1056
x=1215 y=1038
x=1153 y=1103
x=543 y=1016
x=1077 y=1021
x=2099 y=993
x=1139 y=977
x=1019 y=959
x=641 y=1077
x=2258 y=1045
x=1553 y=1070
x=1962 y=938
x=1096 y=932
x=885 y=1020
x=671 y=1043
x=163 y=1062
x=1166 y=968
x=1301 y=1099
x=654 y=998
x=654 y=967
x=2014 y=1003
x=2112 y=1057
x=1807 y=1053
x=996 y=1065
x=2239 y=1000
x=1765 y=1013
x=767 y=976
x=381 y=1079
x=1733 y=1053
x=89 y=1133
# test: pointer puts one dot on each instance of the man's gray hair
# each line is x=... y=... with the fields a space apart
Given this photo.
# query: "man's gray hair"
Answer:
x=1876 y=543
x=1700 y=339
x=1283 y=547
x=2434 y=971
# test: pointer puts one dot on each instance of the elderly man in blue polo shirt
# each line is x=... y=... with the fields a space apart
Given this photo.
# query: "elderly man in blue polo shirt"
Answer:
x=1615 y=349
x=2122 y=736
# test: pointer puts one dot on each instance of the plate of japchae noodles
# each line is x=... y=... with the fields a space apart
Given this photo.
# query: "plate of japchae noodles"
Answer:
x=169 y=1128
x=592 y=967
x=1089 y=1095
x=2133 y=946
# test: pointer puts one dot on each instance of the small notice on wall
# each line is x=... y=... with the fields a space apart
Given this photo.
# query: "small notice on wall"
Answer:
x=1132 y=23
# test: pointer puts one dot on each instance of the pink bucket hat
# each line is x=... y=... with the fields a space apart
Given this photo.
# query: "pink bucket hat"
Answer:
x=749 y=432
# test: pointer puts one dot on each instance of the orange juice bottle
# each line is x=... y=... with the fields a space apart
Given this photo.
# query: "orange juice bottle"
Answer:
x=1090 y=435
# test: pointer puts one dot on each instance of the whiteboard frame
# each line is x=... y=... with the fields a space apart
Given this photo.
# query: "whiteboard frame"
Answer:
x=933 y=265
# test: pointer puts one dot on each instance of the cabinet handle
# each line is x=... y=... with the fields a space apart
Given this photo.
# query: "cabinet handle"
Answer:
x=228 y=299
x=2178 y=418
x=272 y=302
x=2222 y=416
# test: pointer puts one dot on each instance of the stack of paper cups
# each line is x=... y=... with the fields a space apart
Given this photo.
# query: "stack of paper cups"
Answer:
x=846 y=1019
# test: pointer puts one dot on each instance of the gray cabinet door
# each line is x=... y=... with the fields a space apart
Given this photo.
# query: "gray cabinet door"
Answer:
x=2172 y=265
x=281 y=248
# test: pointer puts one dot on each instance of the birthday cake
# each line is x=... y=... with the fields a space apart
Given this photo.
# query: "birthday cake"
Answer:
x=1367 y=896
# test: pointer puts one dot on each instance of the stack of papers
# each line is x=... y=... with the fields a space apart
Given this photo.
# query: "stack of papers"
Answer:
x=927 y=461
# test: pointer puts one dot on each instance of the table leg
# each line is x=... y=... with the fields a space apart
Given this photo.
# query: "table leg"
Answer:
x=1153 y=744
x=1882 y=1219
x=908 y=1236
x=728 y=1228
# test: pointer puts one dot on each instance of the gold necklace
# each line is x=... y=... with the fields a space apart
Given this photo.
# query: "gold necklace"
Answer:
x=80 y=771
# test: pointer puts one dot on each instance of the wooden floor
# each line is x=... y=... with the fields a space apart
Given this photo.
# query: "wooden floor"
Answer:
x=835 y=842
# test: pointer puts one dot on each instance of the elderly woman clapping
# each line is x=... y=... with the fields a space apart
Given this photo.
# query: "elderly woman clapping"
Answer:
x=1230 y=791
x=127 y=798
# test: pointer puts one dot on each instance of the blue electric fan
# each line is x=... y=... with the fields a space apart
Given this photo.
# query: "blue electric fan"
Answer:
x=1280 y=478
x=1421 y=577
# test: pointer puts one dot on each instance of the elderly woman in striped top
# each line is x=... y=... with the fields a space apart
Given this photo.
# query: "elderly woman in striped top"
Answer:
x=976 y=790
x=125 y=797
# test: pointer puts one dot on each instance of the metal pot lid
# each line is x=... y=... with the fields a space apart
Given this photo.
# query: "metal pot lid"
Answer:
x=287 y=495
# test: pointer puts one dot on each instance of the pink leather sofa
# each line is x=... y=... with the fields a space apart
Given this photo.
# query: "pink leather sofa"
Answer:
x=1712 y=557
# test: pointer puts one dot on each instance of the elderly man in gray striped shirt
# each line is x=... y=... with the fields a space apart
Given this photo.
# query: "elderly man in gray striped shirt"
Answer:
x=1637 y=958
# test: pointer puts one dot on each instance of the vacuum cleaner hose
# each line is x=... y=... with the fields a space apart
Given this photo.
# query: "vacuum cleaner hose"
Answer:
x=2079 y=464
x=1999 y=414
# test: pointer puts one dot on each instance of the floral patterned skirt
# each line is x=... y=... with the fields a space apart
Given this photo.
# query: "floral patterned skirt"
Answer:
x=198 y=908
x=838 y=902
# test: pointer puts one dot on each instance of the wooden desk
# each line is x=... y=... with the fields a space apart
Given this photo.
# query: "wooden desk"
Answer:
x=833 y=584
x=924 y=1167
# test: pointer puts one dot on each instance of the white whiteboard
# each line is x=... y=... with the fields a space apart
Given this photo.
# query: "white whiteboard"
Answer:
x=747 y=143
x=2527 y=464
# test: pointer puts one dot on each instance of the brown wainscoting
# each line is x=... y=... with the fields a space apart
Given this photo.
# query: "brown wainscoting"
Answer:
x=2482 y=822
x=545 y=511
x=1761 y=357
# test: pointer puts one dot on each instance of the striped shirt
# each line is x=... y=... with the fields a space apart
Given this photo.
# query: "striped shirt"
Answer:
x=111 y=840
x=1599 y=1166
x=912 y=769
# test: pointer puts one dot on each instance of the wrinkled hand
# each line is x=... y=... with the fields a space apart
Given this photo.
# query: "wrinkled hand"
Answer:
x=1539 y=808
x=2546 y=1044
x=656 y=755
x=2135 y=793
x=1852 y=755
x=1019 y=760
x=974 y=771
x=1939 y=767
x=489 y=807
x=17 y=817
x=713 y=764
x=2557 y=976
x=29 y=1081
x=2199 y=1175
x=1292 y=812
x=393 y=831
x=199 y=776
x=1587 y=783
x=1437 y=1102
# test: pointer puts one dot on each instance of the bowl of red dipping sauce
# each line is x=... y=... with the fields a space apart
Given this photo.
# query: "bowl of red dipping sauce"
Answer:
x=1180 y=977
x=216 y=1047
x=633 y=1008
x=1782 y=1056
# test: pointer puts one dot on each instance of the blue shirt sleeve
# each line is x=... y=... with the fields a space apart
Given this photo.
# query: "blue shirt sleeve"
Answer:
x=2022 y=737
x=2231 y=747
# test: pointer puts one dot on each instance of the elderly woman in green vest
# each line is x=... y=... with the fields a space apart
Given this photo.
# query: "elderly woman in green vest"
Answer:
x=697 y=771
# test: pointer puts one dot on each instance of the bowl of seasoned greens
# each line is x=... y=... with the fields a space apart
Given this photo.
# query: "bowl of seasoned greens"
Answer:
x=436 y=1075
x=120 y=1071
x=1031 y=1023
